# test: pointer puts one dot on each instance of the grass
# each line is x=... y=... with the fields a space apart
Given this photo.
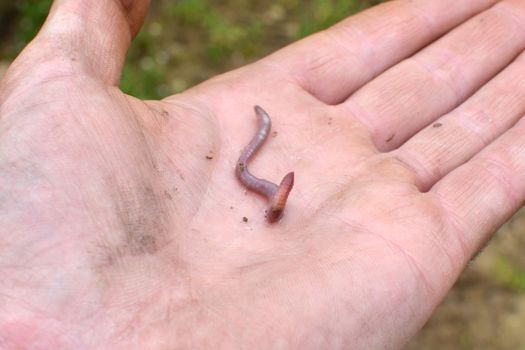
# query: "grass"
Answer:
x=509 y=275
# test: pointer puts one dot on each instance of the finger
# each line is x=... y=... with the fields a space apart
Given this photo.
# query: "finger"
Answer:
x=456 y=137
x=86 y=36
x=482 y=194
x=415 y=92
x=334 y=63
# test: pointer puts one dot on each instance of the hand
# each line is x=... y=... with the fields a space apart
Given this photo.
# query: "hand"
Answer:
x=122 y=221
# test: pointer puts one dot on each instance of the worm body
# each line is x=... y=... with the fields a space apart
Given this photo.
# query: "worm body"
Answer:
x=277 y=195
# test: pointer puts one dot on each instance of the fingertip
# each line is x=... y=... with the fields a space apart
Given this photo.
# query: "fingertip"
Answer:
x=135 y=11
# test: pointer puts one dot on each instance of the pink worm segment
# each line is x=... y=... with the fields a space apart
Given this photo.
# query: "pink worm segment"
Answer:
x=277 y=195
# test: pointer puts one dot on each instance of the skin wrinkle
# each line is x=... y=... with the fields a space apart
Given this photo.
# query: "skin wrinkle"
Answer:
x=452 y=221
x=24 y=111
x=284 y=77
x=461 y=239
x=502 y=23
x=361 y=116
x=434 y=236
x=424 y=179
x=500 y=171
x=444 y=77
x=320 y=62
x=504 y=7
x=16 y=92
x=352 y=32
x=473 y=121
x=411 y=262
x=422 y=14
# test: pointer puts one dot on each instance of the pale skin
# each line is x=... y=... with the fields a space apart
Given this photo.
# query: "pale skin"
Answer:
x=118 y=232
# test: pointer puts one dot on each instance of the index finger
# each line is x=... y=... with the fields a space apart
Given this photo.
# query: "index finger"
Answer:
x=333 y=63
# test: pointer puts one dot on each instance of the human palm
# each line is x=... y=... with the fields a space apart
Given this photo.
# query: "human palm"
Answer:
x=124 y=225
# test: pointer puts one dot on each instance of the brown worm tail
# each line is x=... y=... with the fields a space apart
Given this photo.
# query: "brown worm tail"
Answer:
x=275 y=211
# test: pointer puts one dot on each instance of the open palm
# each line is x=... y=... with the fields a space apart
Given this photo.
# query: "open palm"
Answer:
x=124 y=226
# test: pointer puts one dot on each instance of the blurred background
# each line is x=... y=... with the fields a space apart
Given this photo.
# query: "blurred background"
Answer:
x=184 y=42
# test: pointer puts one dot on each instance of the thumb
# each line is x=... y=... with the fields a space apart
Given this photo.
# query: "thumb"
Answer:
x=90 y=37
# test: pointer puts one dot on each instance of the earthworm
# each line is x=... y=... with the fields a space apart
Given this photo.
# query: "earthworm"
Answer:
x=277 y=195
